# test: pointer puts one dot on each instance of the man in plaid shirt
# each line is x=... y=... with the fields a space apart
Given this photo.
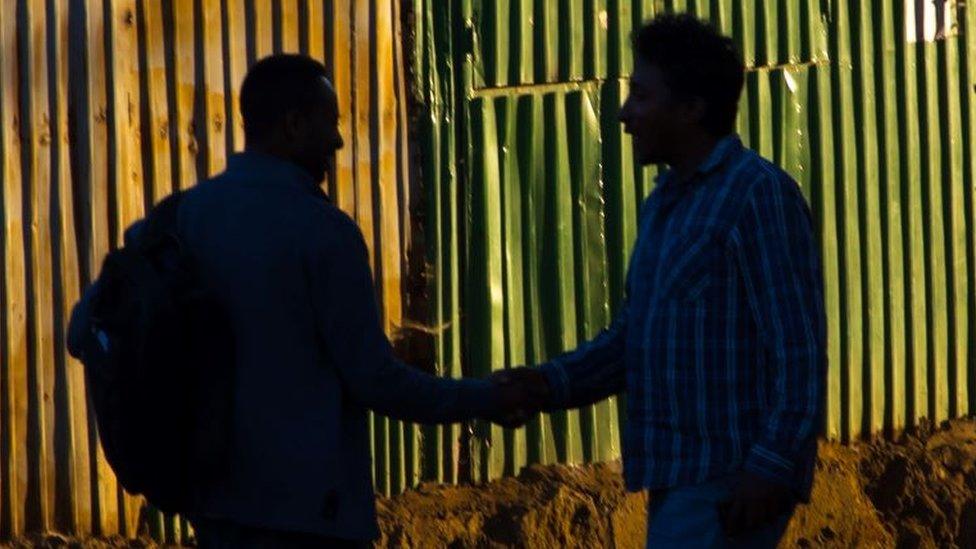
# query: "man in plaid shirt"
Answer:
x=720 y=343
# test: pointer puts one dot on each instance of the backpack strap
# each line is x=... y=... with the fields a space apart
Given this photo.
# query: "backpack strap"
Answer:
x=160 y=226
x=162 y=219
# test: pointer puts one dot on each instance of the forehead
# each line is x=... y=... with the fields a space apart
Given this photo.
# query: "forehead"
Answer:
x=328 y=95
x=646 y=74
x=323 y=97
x=323 y=81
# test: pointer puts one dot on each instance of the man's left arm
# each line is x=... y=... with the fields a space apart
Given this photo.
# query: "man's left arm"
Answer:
x=778 y=257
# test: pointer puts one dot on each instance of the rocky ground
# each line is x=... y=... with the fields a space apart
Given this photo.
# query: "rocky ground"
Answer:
x=916 y=491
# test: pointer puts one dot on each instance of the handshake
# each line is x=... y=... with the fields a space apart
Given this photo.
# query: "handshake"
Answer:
x=519 y=394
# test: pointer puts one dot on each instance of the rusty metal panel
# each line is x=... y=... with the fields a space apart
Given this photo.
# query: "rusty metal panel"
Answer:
x=109 y=105
x=529 y=195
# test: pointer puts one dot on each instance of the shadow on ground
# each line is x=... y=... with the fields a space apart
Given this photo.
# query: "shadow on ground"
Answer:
x=916 y=491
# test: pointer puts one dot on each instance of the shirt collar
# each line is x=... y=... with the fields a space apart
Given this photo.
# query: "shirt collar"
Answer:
x=265 y=167
x=726 y=147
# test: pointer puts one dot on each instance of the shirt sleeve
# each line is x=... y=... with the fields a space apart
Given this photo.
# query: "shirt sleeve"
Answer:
x=594 y=371
x=343 y=298
x=780 y=267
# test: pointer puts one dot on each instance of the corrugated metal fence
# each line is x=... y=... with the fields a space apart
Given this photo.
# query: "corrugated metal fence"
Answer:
x=529 y=197
x=106 y=106
x=532 y=190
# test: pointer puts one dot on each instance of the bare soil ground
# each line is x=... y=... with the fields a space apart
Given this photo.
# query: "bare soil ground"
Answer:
x=916 y=491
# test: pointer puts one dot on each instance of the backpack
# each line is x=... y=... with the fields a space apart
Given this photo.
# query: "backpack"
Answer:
x=158 y=354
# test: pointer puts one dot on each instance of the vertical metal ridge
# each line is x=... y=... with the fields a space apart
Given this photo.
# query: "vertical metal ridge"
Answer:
x=968 y=43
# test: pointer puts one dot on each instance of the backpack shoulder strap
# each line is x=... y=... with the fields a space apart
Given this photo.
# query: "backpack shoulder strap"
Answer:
x=162 y=219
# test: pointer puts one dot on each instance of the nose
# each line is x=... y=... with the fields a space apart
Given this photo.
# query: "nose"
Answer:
x=624 y=113
x=624 y=121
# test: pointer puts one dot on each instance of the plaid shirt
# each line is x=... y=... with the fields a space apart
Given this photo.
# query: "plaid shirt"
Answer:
x=721 y=342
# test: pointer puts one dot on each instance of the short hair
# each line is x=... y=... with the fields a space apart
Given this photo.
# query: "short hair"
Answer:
x=697 y=61
x=274 y=86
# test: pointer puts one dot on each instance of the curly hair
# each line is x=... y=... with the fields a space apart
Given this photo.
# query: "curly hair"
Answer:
x=697 y=62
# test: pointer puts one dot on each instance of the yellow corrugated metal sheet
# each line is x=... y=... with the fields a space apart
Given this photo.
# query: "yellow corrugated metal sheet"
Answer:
x=529 y=196
x=106 y=106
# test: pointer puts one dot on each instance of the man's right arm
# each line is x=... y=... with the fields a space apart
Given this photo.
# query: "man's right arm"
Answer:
x=595 y=370
x=344 y=300
x=591 y=373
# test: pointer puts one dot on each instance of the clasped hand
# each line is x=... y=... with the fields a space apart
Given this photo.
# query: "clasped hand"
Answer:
x=519 y=394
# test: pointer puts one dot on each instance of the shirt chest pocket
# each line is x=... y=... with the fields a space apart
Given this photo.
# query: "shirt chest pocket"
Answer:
x=693 y=265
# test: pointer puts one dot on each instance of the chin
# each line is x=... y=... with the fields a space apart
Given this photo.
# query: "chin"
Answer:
x=318 y=172
x=648 y=159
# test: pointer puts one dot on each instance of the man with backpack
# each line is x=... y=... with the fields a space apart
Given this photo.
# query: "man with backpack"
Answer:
x=265 y=250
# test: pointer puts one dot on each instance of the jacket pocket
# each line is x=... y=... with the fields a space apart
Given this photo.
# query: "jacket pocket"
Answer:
x=690 y=267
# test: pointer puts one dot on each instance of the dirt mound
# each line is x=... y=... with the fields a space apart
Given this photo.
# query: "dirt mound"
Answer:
x=551 y=506
x=916 y=491
x=565 y=506
x=925 y=486
x=51 y=541
x=840 y=514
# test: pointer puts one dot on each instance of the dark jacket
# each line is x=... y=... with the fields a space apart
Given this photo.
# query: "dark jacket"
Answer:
x=292 y=271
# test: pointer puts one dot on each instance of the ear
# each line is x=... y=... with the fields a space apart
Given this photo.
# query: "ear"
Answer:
x=695 y=110
x=294 y=124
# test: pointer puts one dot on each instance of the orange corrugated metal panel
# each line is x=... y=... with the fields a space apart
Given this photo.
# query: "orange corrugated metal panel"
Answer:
x=152 y=88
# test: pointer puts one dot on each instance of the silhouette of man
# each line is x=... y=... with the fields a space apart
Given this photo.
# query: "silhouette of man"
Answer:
x=291 y=269
x=720 y=343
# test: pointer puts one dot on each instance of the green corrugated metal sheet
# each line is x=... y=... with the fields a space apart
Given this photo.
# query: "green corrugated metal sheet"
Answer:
x=530 y=196
x=532 y=192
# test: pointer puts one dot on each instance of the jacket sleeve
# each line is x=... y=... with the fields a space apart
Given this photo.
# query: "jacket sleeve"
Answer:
x=344 y=303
